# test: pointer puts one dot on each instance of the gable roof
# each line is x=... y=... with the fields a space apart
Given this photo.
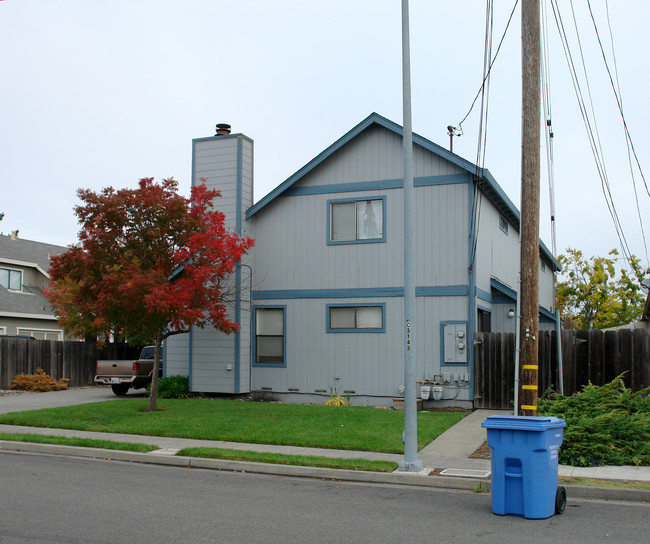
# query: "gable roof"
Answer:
x=488 y=184
x=28 y=253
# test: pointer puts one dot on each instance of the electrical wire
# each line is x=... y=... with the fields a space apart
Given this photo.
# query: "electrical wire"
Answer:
x=619 y=100
x=592 y=132
x=482 y=130
x=485 y=76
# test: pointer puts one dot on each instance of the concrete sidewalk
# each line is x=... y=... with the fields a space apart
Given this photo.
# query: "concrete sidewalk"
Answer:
x=446 y=460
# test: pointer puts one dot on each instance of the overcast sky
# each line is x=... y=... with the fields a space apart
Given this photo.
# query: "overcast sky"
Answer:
x=104 y=93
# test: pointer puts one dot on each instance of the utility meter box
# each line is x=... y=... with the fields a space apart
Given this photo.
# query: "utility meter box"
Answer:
x=455 y=342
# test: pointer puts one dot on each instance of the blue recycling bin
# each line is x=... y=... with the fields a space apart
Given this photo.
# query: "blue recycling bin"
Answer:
x=524 y=452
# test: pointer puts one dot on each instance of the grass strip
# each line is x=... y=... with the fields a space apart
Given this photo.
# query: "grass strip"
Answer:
x=361 y=428
x=79 y=442
x=284 y=459
x=595 y=482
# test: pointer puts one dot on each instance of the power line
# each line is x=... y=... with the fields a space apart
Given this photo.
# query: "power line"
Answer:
x=592 y=132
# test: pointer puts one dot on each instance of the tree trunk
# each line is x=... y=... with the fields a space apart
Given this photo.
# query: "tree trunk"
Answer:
x=153 y=393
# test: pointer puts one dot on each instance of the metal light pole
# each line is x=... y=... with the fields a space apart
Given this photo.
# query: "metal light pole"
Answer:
x=411 y=462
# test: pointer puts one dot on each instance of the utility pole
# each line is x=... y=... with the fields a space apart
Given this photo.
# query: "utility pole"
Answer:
x=530 y=172
x=411 y=462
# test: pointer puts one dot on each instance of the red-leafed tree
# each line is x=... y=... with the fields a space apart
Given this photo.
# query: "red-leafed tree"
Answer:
x=149 y=264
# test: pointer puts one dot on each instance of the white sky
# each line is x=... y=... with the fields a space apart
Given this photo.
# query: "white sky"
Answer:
x=103 y=93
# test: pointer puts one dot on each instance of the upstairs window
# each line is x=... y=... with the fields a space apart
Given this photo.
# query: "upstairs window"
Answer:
x=11 y=279
x=357 y=221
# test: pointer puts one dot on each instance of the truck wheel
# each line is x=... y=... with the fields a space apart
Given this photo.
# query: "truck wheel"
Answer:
x=120 y=389
x=560 y=500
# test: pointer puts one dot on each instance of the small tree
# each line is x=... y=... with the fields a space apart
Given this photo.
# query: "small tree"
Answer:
x=595 y=293
x=149 y=264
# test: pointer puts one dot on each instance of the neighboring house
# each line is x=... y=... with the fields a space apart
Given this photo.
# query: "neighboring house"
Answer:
x=24 y=310
x=320 y=303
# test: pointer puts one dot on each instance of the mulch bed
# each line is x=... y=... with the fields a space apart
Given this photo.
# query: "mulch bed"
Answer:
x=483 y=452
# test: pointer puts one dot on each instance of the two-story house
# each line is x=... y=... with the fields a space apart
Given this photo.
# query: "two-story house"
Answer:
x=320 y=298
x=24 y=310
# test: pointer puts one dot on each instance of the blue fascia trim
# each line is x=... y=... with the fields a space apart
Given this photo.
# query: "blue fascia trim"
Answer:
x=378 y=185
x=545 y=315
x=254 y=336
x=367 y=292
x=238 y=230
x=382 y=305
x=503 y=289
x=484 y=308
x=471 y=303
x=190 y=344
x=364 y=241
x=372 y=119
x=442 y=291
x=483 y=295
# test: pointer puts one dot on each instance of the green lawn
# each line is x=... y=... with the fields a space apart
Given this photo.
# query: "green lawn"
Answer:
x=338 y=427
x=295 y=460
x=78 y=442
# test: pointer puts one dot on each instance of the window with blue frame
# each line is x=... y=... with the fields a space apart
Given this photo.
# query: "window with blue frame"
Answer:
x=269 y=336
x=355 y=318
x=356 y=221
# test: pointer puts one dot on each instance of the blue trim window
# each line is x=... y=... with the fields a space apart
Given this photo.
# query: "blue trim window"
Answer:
x=270 y=340
x=503 y=224
x=356 y=221
x=368 y=317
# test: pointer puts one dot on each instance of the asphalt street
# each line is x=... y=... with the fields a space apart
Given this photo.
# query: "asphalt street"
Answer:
x=58 y=499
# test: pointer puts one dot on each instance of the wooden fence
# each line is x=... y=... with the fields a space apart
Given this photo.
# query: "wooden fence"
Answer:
x=587 y=356
x=72 y=360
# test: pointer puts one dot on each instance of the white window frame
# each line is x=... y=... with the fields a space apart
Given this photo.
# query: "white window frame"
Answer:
x=27 y=331
x=10 y=270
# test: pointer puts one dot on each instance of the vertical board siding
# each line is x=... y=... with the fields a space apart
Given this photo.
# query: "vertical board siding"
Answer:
x=367 y=363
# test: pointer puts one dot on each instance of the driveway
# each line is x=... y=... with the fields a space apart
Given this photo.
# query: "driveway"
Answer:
x=18 y=402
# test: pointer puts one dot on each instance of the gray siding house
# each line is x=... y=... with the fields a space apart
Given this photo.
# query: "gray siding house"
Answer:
x=321 y=294
x=24 y=310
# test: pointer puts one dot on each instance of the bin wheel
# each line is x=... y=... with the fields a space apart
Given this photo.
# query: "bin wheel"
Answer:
x=560 y=500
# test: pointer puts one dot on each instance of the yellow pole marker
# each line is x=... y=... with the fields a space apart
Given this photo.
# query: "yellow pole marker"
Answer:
x=528 y=407
x=531 y=387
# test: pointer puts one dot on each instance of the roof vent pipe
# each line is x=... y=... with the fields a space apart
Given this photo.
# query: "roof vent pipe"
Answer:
x=223 y=129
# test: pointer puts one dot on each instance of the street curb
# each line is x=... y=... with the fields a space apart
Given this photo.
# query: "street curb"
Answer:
x=395 y=478
x=462 y=484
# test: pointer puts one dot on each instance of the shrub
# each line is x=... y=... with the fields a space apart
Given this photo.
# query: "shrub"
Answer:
x=606 y=425
x=336 y=398
x=173 y=387
x=38 y=382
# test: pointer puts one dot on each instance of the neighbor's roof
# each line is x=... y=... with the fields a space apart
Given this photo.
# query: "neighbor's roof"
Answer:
x=28 y=253
x=489 y=186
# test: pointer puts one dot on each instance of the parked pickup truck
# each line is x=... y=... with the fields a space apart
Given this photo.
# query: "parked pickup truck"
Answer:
x=123 y=375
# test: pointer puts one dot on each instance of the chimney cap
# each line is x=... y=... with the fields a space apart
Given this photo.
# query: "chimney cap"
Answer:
x=223 y=129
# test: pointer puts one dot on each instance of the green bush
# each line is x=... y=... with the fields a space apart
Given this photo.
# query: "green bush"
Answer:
x=173 y=387
x=606 y=425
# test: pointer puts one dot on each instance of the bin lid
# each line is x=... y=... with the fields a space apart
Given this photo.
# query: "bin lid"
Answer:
x=523 y=423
